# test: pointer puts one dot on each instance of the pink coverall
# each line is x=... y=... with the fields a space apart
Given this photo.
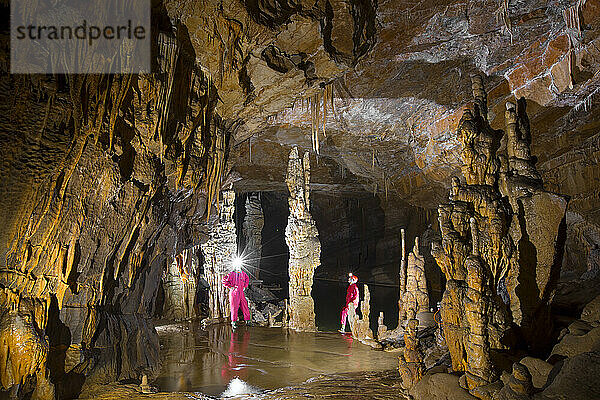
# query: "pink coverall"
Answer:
x=238 y=281
x=351 y=301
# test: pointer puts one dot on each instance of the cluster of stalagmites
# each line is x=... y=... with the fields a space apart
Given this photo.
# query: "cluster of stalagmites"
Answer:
x=301 y=236
x=413 y=299
x=501 y=247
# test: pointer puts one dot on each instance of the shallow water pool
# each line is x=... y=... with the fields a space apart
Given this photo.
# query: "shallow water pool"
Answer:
x=208 y=361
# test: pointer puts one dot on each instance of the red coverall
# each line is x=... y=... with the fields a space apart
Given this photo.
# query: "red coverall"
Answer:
x=351 y=301
x=238 y=281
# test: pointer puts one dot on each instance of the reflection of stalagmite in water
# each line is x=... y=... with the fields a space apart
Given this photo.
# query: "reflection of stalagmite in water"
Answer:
x=253 y=225
x=219 y=253
x=301 y=236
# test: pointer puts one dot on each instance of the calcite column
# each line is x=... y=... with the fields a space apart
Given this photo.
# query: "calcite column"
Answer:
x=538 y=230
x=253 y=225
x=219 y=252
x=180 y=282
x=301 y=236
x=402 y=280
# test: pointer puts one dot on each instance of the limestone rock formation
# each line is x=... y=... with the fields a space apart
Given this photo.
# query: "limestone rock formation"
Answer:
x=382 y=329
x=539 y=370
x=499 y=230
x=301 y=236
x=410 y=363
x=439 y=387
x=253 y=225
x=537 y=229
x=415 y=298
x=23 y=349
x=360 y=327
x=219 y=252
x=519 y=385
x=180 y=281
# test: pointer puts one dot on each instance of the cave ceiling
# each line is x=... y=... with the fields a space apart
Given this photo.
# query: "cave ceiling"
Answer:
x=398 y=72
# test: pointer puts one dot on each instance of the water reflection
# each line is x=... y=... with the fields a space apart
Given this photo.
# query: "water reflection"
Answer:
x=236 y=357
x=208 y=361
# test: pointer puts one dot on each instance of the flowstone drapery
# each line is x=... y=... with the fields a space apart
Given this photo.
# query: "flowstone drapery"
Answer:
x=301 y=236
x=494 y=231
x=219 y=252
x=253 y=225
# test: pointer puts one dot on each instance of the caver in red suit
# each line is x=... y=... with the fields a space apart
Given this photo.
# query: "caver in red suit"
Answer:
x=237 y=281
x=351 y=300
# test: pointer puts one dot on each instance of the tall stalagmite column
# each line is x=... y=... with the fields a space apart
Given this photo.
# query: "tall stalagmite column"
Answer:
x=218 y=253
x=502 y=244
x=253 y=225
x=301 y=236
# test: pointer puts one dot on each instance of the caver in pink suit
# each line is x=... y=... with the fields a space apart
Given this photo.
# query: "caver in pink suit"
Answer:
x=351 y=300
x=237 y=281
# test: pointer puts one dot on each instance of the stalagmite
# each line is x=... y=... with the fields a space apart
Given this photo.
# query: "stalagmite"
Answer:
x=360 y=326
x=219 y=252
x=490 y=228
x=415 y=298
x=253 y=225
x=301 y=236
x=410 y=363
x=401 y=311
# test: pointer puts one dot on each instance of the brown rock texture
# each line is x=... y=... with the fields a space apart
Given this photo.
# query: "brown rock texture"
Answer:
x=179 y=284
x=492 y=232
x=301 y=236
x=410 y=363
x=104 y=181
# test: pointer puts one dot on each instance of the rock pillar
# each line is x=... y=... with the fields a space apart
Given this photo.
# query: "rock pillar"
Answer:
x=253 y=225
x=415 y=298
x=502 y=242
x=219 y=252
x=301 y=236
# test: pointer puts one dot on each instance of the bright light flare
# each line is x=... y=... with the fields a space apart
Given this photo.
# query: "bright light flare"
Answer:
x=238 y=387
x=237 y=263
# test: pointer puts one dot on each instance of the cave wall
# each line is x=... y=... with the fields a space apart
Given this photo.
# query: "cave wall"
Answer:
x=104 y=181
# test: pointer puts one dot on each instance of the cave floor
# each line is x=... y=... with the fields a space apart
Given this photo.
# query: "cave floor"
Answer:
x=268 y=363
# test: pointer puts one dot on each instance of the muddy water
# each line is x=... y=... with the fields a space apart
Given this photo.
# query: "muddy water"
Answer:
x=208 y=361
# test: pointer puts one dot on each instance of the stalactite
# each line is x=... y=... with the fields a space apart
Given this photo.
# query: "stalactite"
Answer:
x=503 y=16
x=573 y=30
